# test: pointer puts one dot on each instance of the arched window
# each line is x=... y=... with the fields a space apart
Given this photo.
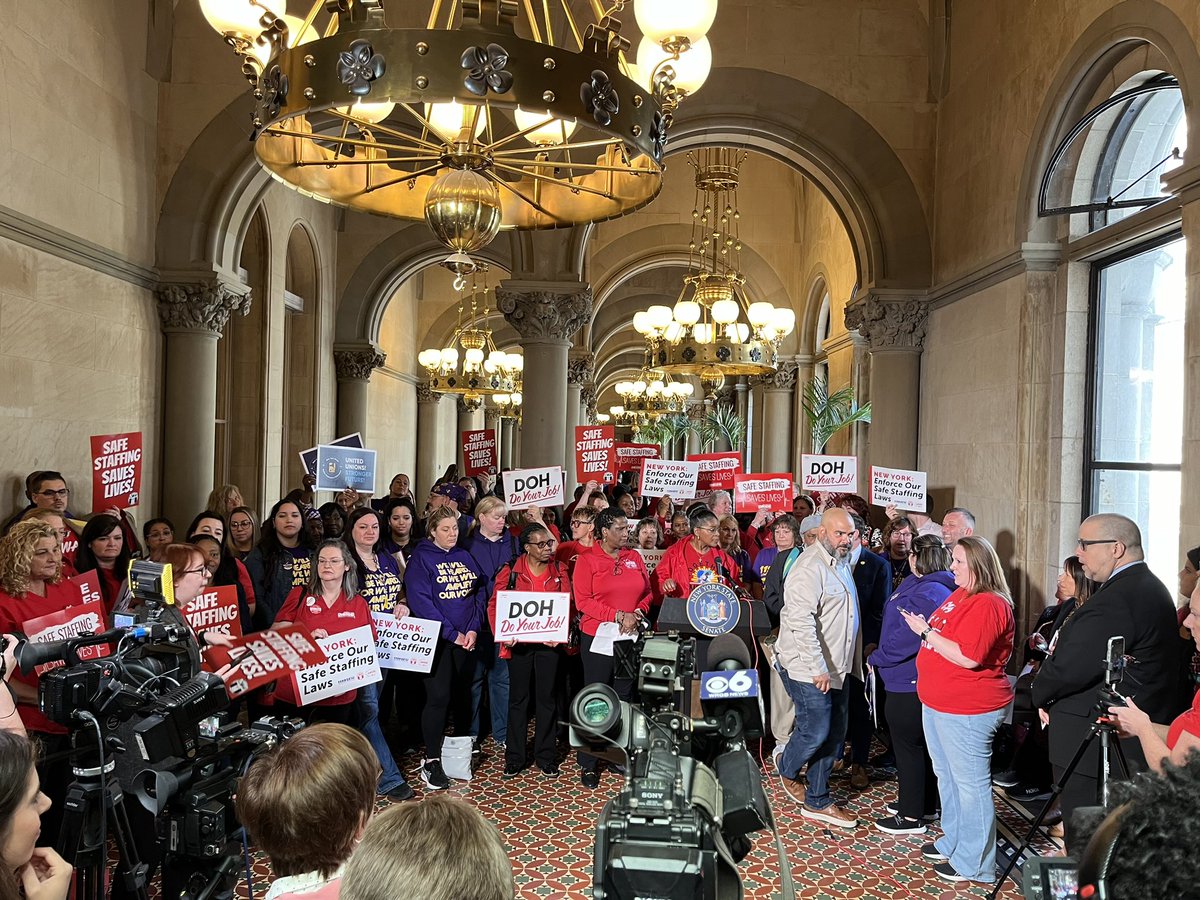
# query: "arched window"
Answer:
x=820 y=356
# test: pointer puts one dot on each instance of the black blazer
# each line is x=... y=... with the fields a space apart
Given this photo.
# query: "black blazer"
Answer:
x=1135 y=604
x=873 y=579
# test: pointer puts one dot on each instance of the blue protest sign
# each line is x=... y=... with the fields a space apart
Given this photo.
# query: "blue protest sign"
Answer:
x=339 y=468
x=308 y=458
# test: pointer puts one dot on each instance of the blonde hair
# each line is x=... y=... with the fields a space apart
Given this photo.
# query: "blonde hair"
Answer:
x=435 y=517
x=219 y=499
x=441 y=848
x=737 y=533
x=984 y=566
x=487 y=505
x=16 y=553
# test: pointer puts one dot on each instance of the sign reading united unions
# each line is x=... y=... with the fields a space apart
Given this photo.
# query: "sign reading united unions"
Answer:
x=339 y=468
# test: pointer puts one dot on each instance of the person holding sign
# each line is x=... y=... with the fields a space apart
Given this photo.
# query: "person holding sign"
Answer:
x=329 y=604
x=531 y=665
x=443 y=582
x=611 y=586
x=697 y=560
x=281 y=562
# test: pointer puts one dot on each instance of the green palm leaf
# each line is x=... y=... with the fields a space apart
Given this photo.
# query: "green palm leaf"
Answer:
x=828 y=414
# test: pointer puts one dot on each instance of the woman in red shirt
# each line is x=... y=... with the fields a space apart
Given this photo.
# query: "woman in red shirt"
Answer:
x=697 y=560
x=582 y=537
x=102 y=548
x=329 y=604
x=611 y=585
x=965 y=692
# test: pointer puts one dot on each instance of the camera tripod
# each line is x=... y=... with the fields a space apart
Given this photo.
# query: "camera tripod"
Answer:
x=1110 y=752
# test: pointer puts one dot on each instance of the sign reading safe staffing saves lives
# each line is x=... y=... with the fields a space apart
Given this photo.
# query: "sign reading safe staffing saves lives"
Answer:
x=479 y=452
x=716 y=470
x=772 y=491
x=595 y=453
x=116 y=470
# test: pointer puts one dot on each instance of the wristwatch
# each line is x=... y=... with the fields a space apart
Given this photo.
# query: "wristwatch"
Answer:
x=925 y=633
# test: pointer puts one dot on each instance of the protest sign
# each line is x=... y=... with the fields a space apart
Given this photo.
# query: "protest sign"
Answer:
x=716 y=470
x=533 y=487
x=407 y=644
x=339 y=468
x=479 y=452
x=264 y=657
x=631 y=456
x=533 y=617
x=772 y=491
x=903 y=487
x=89 y=587
x=308 y=458
x=86 y=618
x=350 y=664
x=116 y=470
x=651 y=558
x=215 y=610
x=838 y=474
x=595 y=453
x=667 y=478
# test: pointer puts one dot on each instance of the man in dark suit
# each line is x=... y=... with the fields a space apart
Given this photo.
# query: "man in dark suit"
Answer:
x=1130 y=602
x=873 y=580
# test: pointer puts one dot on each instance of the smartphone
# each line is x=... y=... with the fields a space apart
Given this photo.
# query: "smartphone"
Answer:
x=1114 y=664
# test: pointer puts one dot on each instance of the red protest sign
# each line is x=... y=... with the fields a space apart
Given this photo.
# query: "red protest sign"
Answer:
x=716 y=470
x=770 y=491
x=264 y=657
x=631 y=456
x=116 y=470
x=479 y=452
x=89 y=587
x=595 y=453
x=86 y=618
x=215 y=610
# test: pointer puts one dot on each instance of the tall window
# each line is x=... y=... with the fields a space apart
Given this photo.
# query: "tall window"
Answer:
x=1135 y=426
x=821 y=357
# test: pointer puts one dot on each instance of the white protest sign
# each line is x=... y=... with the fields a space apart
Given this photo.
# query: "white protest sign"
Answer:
x=670 y=478
x=533 y=487
x=407 y=644
x=651 y=558
x=829 y=473
x=532 y=617
x=350 y=663
x=903 y=487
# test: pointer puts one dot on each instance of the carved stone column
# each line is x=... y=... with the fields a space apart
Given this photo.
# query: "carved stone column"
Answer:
x=192 y=315
x=587 y=405
x=470 y=418
x=492 y=420
x=546 y=314
x=427 y=440
x=741 y=405
x=893 y=324
x=507 y=457
x=354 y=364
x=580 y=369
x=778 y=432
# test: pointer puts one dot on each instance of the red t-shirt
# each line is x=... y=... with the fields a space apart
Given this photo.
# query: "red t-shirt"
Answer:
x=982 y=626
x=604 y=585
x=1188 y=721
x=14 y=613
x=303 y=608
x=567 y=553
x=688 y=568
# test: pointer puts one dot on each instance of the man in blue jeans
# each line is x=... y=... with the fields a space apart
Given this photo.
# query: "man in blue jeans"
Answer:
x=820 y=643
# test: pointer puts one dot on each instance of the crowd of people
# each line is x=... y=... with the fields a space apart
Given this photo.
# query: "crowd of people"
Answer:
x=902 y=637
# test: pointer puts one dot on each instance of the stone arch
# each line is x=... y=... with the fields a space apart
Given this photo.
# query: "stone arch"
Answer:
x=1110 y=37
x=837 y=149
x=806 y=325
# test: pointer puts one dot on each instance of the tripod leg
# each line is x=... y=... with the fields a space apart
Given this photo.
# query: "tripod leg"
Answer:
x=79 y=840
x=133 y=872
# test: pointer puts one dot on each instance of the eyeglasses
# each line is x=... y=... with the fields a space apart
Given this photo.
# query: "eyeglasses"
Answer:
x=61 y=492
x=200 y=571
x=575 y=522
x=1083 y=545
x=541 y=545
x=709 y=528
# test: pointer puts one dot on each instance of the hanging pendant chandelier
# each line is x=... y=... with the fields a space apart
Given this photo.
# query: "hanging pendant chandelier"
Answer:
x=654 y=393
x=470 y=365
x=476 y=115
x=715 y=330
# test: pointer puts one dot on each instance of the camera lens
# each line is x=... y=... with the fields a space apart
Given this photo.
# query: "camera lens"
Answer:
x=596 y=710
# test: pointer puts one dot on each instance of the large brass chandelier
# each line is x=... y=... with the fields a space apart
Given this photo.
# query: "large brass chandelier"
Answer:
x=476 y=115
x=653 y=394
x=470 y=365
x=714 y=329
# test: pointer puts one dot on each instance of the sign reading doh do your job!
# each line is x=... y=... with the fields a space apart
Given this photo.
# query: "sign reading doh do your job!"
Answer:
x=533 y=487
x=339 y=468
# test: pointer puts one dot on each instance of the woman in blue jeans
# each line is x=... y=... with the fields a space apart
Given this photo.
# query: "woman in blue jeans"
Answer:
x=962 y=685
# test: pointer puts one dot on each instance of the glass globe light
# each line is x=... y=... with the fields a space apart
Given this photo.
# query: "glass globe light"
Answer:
x=687 y=388
x=498 y=358
x=659 y=316
x=429 y=358
x=725 y=311
x=449 y=357
x=516 y=361
x=661 y=20
x=294 y=24
x=674 y=332
x=703 y=333
x=241 y=18
x=760 y=313
x=691 y=69
x=639 y=388
x=371 y=113
x=738 y=332
x=501 y=399
x=641 y=322
x=449 y=119
x=516 y=399
x=473 y=356
x=547 y=130
x=656 y=388
x=784 y=320
x=687 y=312
x=624 y=388
x=617 y=410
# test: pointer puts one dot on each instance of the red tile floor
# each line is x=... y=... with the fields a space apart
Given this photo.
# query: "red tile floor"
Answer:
x=548 y=825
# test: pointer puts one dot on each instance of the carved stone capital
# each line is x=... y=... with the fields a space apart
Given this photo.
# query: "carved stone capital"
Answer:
x=468 y=405
x=545 y=310
x=889 y=323
x=491 y=417
x=587 y=397
x=426 y=394
x=201 y=305
x=356 y=363
x=581 y=367
x=783 y=378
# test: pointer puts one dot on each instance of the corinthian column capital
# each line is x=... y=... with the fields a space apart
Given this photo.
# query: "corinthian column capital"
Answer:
x=203 y=305
x=356 y=362
x=580 y=367
x=545 y=310
x=892 y=321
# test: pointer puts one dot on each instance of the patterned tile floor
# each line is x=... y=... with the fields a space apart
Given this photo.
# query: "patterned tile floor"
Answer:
x=548 y=825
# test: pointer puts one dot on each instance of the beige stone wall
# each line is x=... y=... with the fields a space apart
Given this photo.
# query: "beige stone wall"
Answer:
x=80 y=354
x=392 y=394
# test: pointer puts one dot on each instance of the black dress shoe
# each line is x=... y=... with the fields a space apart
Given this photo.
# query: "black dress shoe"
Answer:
x=590 y=780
